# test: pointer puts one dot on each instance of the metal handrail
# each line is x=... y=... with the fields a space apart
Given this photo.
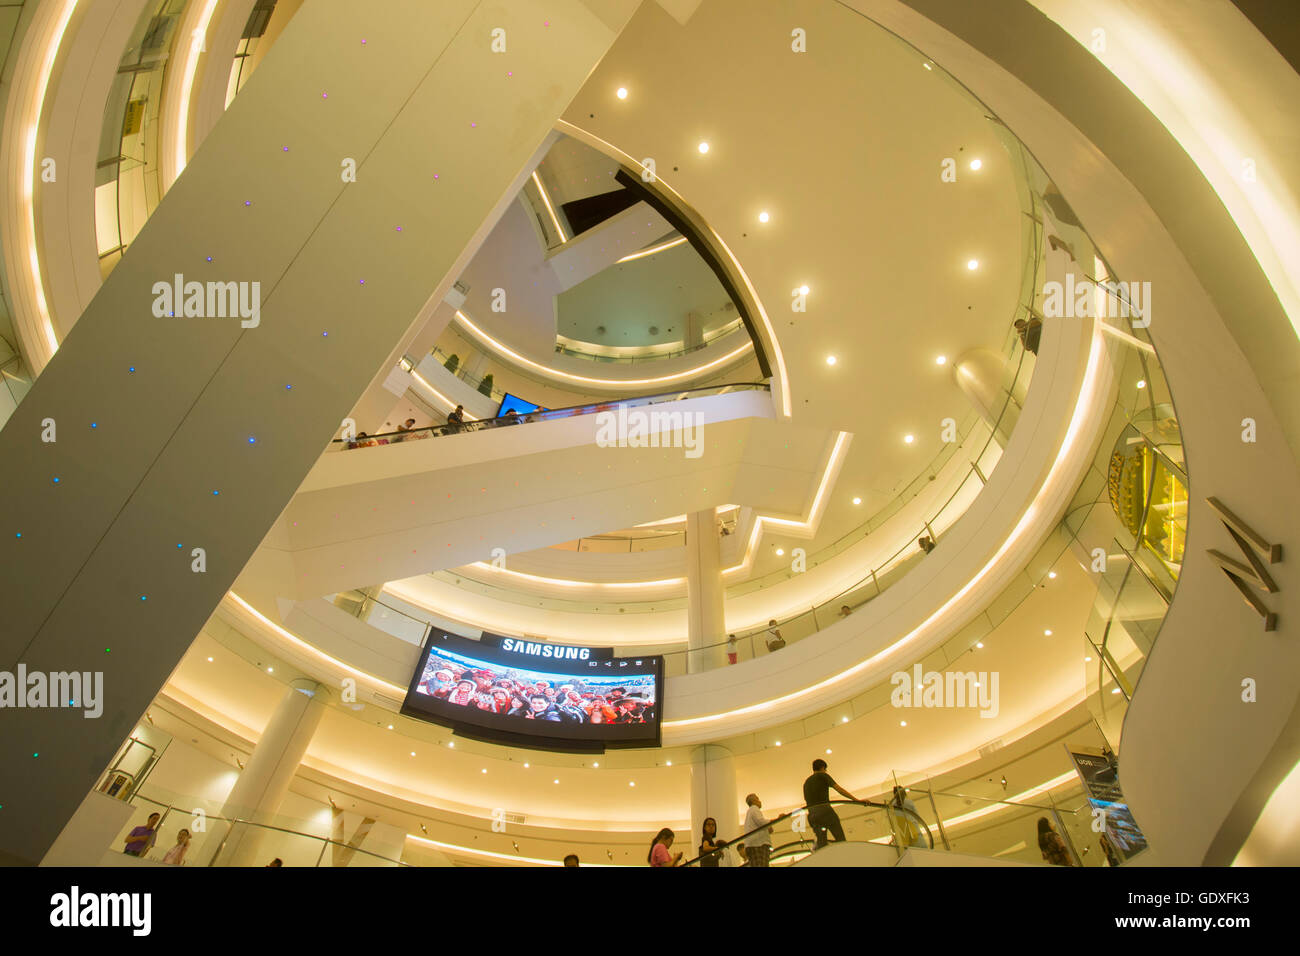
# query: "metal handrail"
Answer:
x=794 y=813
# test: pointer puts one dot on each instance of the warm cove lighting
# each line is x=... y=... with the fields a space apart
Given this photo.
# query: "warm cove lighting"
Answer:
x=555 y=373
x=549 y=208
x=193 y=49
x=652 y=250
x=28 y=240
x=1079 y=417
x=488 y=854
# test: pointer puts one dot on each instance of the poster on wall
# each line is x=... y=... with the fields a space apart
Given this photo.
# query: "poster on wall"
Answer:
x=1121 y=838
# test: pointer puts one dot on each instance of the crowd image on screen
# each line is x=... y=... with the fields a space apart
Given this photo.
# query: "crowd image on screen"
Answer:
x=533 y=695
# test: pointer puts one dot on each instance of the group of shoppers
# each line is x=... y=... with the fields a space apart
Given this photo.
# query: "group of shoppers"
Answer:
x=755 y=846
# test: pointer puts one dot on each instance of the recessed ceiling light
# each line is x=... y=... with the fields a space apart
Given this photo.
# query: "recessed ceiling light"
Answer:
x=763 y=216
x=908 y=439
x=270 y=670
x=972 y=264
x=1115 y=691
x=927 y=66
x=979 y=644
x=1052 y=575
x=622 y=93
x=631 y=783
x=556 y=780
x=451 y=743
x=390 y=726
x=670 y=763
x=484 y=770
x=1142 y=383
x=1087 y=660
x=412 y=753
x=941 y=360
x=828 y=750
x=704 y=147
x=844 y=720
x=803 y=290
x=778 y=743
x=1047 y=633
x=595 y=764
x=780 y=551
x=976 y=163
x=857 y=501
x=831 y=360
x=209 y=660
x=902 y=723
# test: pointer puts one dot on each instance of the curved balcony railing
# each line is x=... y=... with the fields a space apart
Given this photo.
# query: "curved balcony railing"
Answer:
x=551 y=414
x=618 y=356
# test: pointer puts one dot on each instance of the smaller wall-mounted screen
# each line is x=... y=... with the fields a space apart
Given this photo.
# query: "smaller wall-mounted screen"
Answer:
x=517 y=404
x=548 y=696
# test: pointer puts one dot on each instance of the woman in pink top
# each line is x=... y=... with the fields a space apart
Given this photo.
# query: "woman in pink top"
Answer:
x=659 y=855
x=177 y=853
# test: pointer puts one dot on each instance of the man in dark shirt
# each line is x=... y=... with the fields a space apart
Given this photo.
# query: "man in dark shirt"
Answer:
x=816 y=797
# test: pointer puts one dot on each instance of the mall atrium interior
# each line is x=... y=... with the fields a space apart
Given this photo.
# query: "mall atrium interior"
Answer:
x=483 y=433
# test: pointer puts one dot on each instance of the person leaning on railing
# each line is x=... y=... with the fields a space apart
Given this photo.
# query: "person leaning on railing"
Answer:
x=817 y=798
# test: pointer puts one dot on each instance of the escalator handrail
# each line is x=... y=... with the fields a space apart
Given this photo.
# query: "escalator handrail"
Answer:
x=786 y=816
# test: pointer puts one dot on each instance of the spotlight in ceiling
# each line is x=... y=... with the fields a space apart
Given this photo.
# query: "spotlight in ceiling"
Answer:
x=1115 y=691
x=704 y=147
x=670 y=763
x=484 y=770
x=780 y=552
x=1047 y=633
x=763 y=216
x=1052 y=575
x=844 y=720
x=1087 y=660
x=622 y=93
x=857 y=501
x=927 y=66
x=908 y=439
x=209 y=660
x=451 y=744
x=803 y=290
x=412 y=753
x=390 y=726
x=778 y=743
x=831 y=360
x=972 y=264
x=902 y=723
x=631 y=783
x=596 y=764
x=527 y=765
x=828 y=750
x=1142 y=383
x=556 y=780
x=941 y=360
x=975 y=164
x=979 y=644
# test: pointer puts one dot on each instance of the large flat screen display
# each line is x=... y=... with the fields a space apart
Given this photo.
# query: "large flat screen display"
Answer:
x=518 y=404
x=547 y=696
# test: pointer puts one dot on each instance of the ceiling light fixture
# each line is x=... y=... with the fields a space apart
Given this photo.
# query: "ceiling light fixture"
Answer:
x=622 y=93
x=1142 y=383
x=803 y=290
x=763 y=216
x=1047 y=633
x=908 y=439
x=941 y=360
x=1052 y=575
x=780 y=552
x=831 y=360
x=979 y=644
x=857 y=501
x=704 y=147
x=651 y=251
x=975 y=164
x=972 y=264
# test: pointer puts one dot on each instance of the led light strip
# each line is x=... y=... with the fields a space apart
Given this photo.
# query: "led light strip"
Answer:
x=602 y=382
x=1053 y=784
x=547 y=199
x=650 y=252
x=464 y=850
x=188 y=69
x=29 y=176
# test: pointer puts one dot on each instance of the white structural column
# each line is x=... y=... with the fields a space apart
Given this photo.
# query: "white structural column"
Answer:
x=704 y=591
x=713 y=794
x=982 y=374
x=341 y=193
x=262 y=785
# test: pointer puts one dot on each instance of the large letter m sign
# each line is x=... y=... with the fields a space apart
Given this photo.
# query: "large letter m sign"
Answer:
x=1243 y=575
